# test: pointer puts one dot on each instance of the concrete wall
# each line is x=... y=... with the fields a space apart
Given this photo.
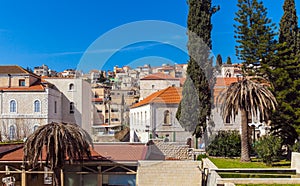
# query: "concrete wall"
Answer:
x=295 y=164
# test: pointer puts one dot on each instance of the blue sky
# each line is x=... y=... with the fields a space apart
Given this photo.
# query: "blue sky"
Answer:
x=57 y=33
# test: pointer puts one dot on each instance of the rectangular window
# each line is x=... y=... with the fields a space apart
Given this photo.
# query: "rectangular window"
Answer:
x=72 y=108
x=130 y=93
x=55 y=107
x=99 y=111
x=114 y=110
x=114 y=119
x=22 y=82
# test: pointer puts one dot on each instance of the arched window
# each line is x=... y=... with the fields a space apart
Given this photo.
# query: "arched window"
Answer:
x=12 y=132
x=167 y=119
x=35 y=127
x=37 y=106
x=12 y=106
x=71 y=86
x=72 y=108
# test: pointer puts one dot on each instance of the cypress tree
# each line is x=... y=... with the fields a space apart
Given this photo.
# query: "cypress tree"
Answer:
x=219 y=62
x=228 y=61
x=254 y=34
x=195 y=106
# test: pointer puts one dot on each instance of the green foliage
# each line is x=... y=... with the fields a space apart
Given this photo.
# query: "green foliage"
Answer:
x=219 y=60
x=285 y=77
x=219 y=63
x=201 y=156
x=225 y=144
x=296 y=147
x=228 y=61
x=254 y=34
x=102 y=78
x=268 y=148
x=289 y=26
x=195 y=106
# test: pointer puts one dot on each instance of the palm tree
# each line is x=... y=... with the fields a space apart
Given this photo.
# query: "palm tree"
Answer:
x=251 y=99
x=61 y=141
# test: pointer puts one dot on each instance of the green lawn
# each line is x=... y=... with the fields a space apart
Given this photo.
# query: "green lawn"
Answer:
x=235 y=163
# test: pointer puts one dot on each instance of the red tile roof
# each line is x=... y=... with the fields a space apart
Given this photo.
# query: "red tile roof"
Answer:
x=97 y=99
x=159 y=76
x=13 y=69
x=17 y=155
x=170 y=95
x=221 y=84
x=33 y=88
x=225 y=81
x=122 y=152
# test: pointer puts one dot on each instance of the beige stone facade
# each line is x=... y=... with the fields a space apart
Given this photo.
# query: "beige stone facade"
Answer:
x=25 y=103
x=76 y=101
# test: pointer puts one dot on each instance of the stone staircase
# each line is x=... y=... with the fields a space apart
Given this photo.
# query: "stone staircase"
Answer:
x=184 y=173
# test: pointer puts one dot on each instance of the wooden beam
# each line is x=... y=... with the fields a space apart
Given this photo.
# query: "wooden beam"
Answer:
x=23 y=177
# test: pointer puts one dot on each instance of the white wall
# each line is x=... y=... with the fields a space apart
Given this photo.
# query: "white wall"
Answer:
x=138 y=122
x=81 y=97
x=146 y=86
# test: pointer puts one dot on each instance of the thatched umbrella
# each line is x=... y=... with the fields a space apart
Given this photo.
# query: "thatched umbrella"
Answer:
x=61 y=141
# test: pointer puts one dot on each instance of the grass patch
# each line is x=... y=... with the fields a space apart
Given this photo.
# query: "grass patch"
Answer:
x=236 y=163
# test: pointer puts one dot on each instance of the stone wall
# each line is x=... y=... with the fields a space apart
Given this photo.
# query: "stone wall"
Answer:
x=295 y=164
x=172 y=150
x=167 y=173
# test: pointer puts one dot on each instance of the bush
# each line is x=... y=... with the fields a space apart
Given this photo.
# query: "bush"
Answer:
x=268 y=148
x=201 y=156
x=225 y=144
x=296 y=147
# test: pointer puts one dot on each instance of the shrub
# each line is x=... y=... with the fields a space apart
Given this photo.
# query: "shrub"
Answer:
x=225 y=144
x=201 y=156
x=268 y=148
x=296 y=147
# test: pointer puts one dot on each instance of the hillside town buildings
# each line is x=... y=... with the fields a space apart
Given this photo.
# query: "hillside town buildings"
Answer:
x=104 y=103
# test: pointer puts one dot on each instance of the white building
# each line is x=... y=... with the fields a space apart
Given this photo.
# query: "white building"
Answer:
x=156 y=82
x=154 y=117
x=41 y=70
x=76 y=102
x=26 y=102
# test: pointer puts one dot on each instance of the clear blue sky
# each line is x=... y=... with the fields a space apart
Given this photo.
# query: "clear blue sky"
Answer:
x=57 y=33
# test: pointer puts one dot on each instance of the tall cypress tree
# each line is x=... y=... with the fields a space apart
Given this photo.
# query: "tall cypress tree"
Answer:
x=285 y=77
x=254 y=34
x=228 y=61
x=195 y=107
x=219 y=63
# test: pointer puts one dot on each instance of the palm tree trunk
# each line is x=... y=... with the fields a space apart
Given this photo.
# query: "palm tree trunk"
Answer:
x=245 y=147
x=56 y=174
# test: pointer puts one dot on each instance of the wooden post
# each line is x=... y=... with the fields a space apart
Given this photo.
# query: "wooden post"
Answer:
x=23 y=177
x=99 y=180
x=61 y=177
